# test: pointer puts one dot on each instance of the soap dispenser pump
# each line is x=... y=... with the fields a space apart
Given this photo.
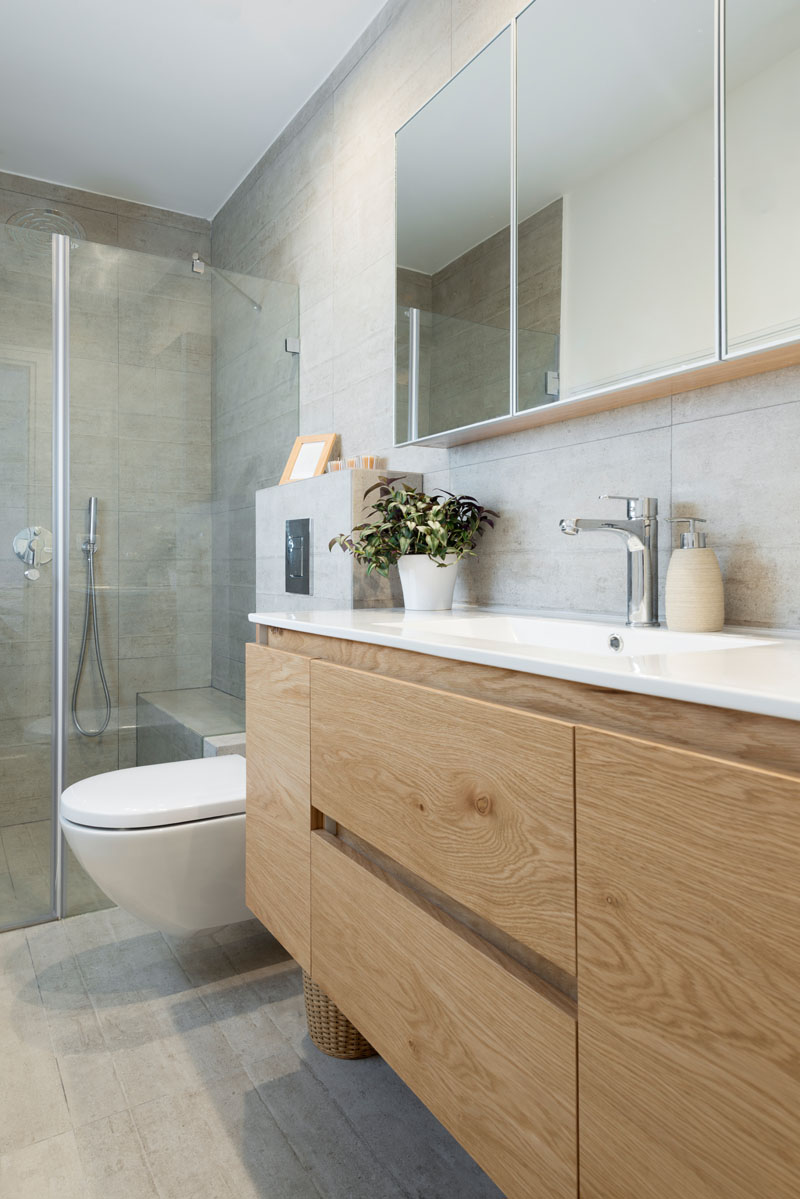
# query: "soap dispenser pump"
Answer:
x=695 y=601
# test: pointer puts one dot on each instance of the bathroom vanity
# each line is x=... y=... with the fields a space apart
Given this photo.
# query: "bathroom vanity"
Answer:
x=555 y=886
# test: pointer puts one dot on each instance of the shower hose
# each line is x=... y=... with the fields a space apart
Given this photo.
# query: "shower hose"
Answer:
x=90 y=614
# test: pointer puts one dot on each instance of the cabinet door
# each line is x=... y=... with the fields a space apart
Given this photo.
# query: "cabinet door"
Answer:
x=689 y=974
x=475 y=798
x=615 y=193
x=491 y=1057
x=278 y=821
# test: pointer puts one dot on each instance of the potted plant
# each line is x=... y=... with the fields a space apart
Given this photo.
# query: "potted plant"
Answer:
x=426 y=535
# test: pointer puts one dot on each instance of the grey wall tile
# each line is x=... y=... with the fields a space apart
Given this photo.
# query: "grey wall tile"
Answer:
x=739 y=395
x=739 y=471
x=157 y=237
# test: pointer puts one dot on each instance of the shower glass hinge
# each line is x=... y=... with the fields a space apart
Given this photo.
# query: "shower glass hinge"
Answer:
x=292 y=345
x=551 y=383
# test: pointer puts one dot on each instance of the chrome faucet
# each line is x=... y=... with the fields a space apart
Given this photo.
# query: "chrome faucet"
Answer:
x=640 y=534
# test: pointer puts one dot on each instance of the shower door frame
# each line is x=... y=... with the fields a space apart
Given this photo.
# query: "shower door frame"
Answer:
x=60 y=518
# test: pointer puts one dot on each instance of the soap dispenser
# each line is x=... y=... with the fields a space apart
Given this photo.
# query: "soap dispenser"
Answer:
x=695 y=602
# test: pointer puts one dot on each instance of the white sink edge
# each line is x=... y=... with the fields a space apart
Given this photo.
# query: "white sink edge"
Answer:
x=762 y=679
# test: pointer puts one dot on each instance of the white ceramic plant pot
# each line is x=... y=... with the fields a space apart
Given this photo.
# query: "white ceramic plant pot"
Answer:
x=426 y=586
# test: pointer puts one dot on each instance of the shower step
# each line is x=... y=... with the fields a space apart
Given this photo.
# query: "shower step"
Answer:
x=194 y=722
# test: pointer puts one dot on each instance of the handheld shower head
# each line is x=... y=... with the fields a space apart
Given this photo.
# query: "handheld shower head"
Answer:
x=91 y=535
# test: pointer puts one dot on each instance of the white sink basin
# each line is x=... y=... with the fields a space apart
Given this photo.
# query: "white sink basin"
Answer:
x=586 y=637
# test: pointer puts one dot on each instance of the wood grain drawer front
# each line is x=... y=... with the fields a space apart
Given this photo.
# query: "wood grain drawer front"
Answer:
x=475 y=798
x=491 y=1058
x=278 y=819
x=689 y=966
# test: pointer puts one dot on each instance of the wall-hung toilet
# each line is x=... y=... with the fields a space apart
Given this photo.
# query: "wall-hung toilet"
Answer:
x=165 y=842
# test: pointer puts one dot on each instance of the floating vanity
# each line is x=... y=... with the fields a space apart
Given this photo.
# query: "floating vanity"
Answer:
x=549 y=869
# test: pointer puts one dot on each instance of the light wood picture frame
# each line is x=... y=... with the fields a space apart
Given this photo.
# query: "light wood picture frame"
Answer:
x=309 y=457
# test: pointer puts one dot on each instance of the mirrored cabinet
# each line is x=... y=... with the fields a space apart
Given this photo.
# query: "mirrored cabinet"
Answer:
x=453 y=251
x=564 y=248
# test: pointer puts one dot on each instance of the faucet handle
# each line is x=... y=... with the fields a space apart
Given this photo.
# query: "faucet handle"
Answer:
x=638 y=505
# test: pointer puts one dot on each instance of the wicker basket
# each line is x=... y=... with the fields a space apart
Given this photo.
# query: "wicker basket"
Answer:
x=328 y=1028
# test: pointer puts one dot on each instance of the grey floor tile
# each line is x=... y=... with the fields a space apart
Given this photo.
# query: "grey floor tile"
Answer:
x=239 y=1011
x=204 y=964
x=15 y=958
x=23 y=1016
x=49 y=1169
x=282 y=992
x=164 y=1047
x=255 y=952
x=113 y=1160
x=91 y=1085
x=184 y=1070
x=411 y=1144
x=324 y=1141
x=220 y=1142
x=32 y=1103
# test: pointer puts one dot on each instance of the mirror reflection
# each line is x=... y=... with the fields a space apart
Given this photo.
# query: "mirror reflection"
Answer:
x=453 y=252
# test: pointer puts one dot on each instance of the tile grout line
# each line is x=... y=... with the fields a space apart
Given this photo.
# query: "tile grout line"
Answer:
x=695 y=420
x=52 y=1046
x=567 y=445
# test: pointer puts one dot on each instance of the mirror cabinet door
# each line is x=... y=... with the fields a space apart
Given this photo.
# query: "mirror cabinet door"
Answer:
x=616 y=164
x=762 y=123
x=453 y=252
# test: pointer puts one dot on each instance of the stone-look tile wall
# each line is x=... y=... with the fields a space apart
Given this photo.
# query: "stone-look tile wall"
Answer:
x=318 y=210
x=727 y=453
x=334 y=504
x=140 y=441
x=109 y=221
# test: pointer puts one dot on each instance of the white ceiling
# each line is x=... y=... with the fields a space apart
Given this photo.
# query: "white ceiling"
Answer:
x=165 y=102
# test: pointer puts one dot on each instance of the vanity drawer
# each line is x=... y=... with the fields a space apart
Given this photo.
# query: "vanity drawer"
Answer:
x=476 y=1039
x=475 y=798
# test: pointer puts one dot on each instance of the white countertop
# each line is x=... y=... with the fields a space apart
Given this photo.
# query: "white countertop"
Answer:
x=762 y=678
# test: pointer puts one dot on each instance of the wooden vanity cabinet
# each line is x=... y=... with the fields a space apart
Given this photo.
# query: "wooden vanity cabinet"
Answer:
x=689 y=973
x=437 y=908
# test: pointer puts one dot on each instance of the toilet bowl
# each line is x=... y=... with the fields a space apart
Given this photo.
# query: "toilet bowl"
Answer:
x=165 y=842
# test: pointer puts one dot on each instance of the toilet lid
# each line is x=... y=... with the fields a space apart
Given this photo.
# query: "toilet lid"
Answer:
x=153 y=796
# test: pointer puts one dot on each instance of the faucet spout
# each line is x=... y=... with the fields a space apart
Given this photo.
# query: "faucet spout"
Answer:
x=630 y=530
